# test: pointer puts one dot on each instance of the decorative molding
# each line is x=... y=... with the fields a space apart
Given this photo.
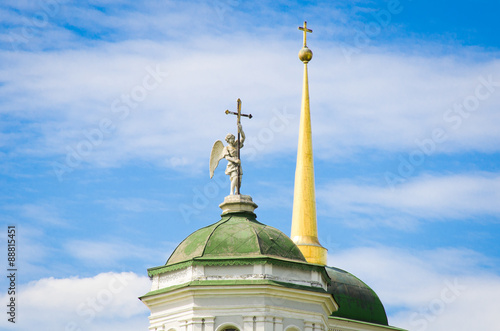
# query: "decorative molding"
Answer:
x=239 y=261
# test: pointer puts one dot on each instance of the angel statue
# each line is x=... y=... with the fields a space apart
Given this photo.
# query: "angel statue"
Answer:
x=231 y=153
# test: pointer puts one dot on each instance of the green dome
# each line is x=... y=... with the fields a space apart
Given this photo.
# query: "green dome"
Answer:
x=236 y=235
x=356 y=300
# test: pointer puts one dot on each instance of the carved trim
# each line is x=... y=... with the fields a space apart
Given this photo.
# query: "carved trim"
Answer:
x=232 y=262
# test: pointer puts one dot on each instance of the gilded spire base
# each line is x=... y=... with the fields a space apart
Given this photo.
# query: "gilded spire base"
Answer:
x=316 y=254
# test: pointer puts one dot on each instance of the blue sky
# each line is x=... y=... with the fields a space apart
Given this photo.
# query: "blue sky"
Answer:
x=109 y=110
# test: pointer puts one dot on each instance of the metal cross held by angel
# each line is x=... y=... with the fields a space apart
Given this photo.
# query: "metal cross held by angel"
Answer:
x=231 y=153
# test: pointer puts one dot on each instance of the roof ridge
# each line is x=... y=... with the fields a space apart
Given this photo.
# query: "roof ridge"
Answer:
x=258 y=237
x=251 y=226
x=211 y=233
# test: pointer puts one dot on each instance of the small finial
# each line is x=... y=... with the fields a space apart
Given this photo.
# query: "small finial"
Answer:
x=305 y=54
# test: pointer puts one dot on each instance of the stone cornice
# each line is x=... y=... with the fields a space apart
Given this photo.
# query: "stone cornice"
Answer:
x=241 y=288
x=240 y=261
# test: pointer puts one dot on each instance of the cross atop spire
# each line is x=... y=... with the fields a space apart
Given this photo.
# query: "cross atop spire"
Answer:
x=306 y=30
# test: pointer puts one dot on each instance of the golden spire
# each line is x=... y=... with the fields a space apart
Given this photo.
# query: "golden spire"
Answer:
x=304 y=227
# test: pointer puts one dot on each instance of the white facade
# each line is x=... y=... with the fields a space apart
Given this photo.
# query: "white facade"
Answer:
x=245 y=308
x=250 y=303
x=289 y=275
x=249 y=297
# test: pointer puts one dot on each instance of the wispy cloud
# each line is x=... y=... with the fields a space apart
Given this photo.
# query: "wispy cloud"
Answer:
x=425 y=198
x=365 y=106
x=115 y=252
x=47 y=213
x=387 y=94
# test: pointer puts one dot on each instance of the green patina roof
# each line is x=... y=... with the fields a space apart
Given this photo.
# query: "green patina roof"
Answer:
x=236 y=235
x=239 y=237
x=356 y=300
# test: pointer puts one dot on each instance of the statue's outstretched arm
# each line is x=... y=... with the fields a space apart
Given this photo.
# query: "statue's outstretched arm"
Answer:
x=240 y=130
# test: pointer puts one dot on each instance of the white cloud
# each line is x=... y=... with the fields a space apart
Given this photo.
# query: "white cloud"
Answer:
x=107 y=301
x=439 y=290
x=386 y=100
x=383 y=100
x=425 y=198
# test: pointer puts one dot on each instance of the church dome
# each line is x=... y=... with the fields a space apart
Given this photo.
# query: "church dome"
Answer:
x=356 y=300
x=236 y=235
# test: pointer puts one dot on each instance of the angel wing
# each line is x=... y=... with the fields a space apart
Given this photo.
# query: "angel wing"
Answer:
x=216 y=156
